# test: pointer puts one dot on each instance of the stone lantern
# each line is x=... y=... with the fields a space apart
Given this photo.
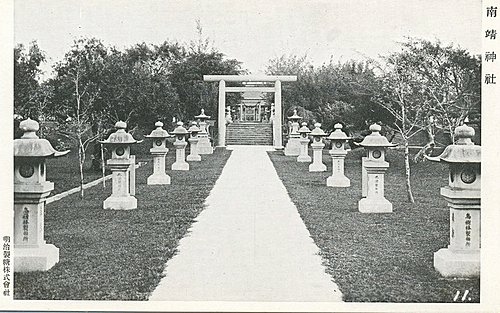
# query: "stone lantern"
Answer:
x=338 y=153
x=304 y=143
x=317 y=145
x=229 y=119
x=462 y=256
x=180 y=148
x=119 y=164
x=204 y=146
x=193 y=143
x=375 y=166
x=159 y=151
x=293 y=145
x=31 y=189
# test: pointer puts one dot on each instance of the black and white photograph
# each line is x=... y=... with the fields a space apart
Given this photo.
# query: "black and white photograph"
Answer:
x=230 y=155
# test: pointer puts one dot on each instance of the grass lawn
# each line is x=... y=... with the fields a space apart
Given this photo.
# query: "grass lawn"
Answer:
x=377 y=257
x=120 y=255
x=65 y=174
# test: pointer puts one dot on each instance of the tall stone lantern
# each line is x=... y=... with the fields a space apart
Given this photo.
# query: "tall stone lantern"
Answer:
x=159 y=151
x=119 y=164
x=193 y=143
x=292 y=147
x=462 y=256
x=204 y=146
x=317 y=145
x=180 y=148
x=338 y=153
x=31 y=189
x=304 y=143
x=375 y=165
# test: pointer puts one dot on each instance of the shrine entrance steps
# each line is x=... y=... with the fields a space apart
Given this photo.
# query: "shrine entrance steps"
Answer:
x=249 y=244
x=246 y=133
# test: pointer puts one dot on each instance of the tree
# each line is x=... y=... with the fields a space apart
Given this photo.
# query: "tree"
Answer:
x=77 y=100
x=331 y=93
x=30 y=96
x=201 y=58
x=428 y=86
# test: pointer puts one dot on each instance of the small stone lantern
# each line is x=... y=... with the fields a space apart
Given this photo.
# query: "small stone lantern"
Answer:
x=292 y=147
x=338 y=153
x=180 y=148
x=31 y=189
x=204 y=146
x=159 y=151
x=375 y=166
x=193 y=143
x=229 y=119
x=119 y=164
x=317 y=145
x=304 y=143
x=462 y=256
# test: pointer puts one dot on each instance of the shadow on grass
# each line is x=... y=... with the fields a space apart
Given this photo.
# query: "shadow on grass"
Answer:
x=120 y=255
x=377 y=257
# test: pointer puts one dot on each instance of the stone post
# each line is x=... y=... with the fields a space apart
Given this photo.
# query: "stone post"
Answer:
x=180 y=148
x=364 y=177
x=278 y=108
x=304 y=142
x=462 y=256
x=31 y=189
x=375 y=166
x=221 y=118
x=292 y=147
x=119 y=164
x=131 y=173
x=317 y=145
x=193 y=143
x=204 y=146
x=159 y=151
x=338 y=153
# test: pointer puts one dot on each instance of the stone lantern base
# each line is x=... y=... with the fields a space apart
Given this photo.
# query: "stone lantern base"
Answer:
x=338 y=181
x=304 y=158
x=41 y=258
x=180 y=166
x=453 y=263
x=371 y=205
x=196 y=158
x=204 y=146
x=318 y=167
x=120 y=203
x=159 y=179
x=292 y=147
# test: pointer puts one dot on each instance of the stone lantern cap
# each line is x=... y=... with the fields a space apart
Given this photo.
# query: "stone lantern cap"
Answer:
x=30 y=145
x=194 y=128
x=295 y=117
x=304 y=129
x=202 y=116
x=463 y=151
x=180 y=130
x=375 y=139
x=338 y=134
x=317 y=131
x=120 y=137
x=159 y=132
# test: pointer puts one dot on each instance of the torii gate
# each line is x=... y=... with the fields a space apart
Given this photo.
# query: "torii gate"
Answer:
x=222 y=79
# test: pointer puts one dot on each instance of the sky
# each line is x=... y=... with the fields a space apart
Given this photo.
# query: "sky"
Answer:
x=252 y=31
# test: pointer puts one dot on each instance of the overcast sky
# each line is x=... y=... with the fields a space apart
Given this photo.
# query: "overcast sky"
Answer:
x=252 y=31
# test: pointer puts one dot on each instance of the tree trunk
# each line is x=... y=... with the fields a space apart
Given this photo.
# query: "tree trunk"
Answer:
x=407 y=171
x=427 y=149
x=81 y=160
x=103 y=166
